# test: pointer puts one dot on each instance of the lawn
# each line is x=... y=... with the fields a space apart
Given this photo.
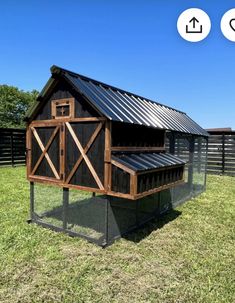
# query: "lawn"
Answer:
x=188 y=259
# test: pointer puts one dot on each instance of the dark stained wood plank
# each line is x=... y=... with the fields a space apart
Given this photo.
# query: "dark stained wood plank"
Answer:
x=137 y=149
x=28 y=149
x=46 y=154
x=86 y=148
x=79 y=146
x=107 y=156
x=45 y=150
x=52 y=122
x=155 y=190
x=133 y=185
x=120 y=180
x=62 y=151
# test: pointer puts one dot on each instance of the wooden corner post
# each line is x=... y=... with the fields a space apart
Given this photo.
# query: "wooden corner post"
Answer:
x=133 y=185
x=107 y=156
x=28 y=150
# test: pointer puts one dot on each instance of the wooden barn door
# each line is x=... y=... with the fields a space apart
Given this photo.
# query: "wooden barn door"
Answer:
x=84 y=155
x=45 y=151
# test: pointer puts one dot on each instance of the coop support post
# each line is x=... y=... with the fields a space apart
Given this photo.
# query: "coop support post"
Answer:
x=107 y=157
x=106 y=237
x=172 y=143
x=199 y=166
x=65 y=207
x=31 y=200
x=191 y=159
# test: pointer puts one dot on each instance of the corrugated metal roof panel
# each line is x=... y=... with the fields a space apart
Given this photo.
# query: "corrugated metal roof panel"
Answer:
x=122 y=106
x=147 y=161
x=119 y=105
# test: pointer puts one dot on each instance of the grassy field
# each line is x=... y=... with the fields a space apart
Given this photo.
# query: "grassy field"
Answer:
x=189 y=259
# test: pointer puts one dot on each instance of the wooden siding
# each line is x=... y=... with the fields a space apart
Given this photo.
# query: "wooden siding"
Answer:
x=120 y=180
x=63 y=91
x=44 y=168
x=75 y=156
x=128 y=135
x=95 y=154
x=151 y=180
x=68 y=153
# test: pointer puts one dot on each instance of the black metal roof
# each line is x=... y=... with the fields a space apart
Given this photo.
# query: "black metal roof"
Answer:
x=119 y=105
x=147 y=161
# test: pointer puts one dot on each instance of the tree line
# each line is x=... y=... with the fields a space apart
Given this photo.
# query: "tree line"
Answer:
x=14 y=104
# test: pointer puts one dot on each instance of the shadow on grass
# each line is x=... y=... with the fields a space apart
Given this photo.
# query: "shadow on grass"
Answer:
x=104 y=219
x=154 y=224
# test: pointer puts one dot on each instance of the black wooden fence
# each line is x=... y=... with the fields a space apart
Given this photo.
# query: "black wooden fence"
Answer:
x=12 y=146
x=221 y=153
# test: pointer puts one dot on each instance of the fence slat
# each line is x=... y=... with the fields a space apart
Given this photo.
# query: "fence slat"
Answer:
x=221 y=153
x=12 y=146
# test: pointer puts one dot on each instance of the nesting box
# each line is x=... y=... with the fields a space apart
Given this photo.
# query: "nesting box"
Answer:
x=86 y=135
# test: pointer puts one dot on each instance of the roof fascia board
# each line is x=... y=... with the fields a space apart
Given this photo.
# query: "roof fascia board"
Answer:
x=32 y=112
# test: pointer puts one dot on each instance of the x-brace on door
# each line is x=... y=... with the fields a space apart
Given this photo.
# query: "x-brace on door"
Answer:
x=45 y=151
x=51 y=146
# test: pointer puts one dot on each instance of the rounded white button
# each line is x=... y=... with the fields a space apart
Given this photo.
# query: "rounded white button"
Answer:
x=194 y=25
x=228 y=25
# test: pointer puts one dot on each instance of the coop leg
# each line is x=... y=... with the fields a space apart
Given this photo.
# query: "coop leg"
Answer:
x=31 y=199
x=31 y=202
x=65 y=207
x=106 y=236
x=190 y=168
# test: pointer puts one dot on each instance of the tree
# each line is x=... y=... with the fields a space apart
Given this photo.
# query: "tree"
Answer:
x=13 y=105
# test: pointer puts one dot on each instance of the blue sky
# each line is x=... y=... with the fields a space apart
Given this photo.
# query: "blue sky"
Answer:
x=131 y=44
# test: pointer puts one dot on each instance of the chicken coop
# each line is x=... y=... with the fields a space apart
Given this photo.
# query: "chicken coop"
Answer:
x=102 y=161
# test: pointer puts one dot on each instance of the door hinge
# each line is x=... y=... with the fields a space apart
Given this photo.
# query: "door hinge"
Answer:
x=61 y=152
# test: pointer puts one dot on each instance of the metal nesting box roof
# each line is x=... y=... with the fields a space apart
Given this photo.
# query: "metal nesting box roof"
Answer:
x=147 y=161
x=122 y=106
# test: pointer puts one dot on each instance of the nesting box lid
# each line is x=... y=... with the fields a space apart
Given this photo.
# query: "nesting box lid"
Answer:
x=147 y=161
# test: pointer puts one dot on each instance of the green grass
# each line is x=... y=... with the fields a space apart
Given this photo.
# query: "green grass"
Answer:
x=189 y=259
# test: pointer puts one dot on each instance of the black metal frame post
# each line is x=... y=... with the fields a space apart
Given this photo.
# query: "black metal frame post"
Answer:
x=31 y=200
x=106 y=236
x=172 y=143
x=191 y=160
x=199 y=168
x=65 y=207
